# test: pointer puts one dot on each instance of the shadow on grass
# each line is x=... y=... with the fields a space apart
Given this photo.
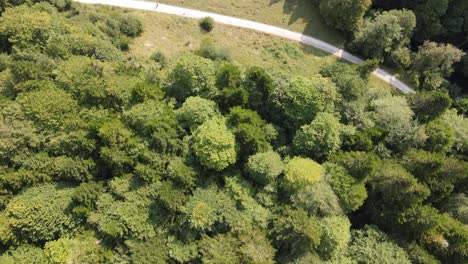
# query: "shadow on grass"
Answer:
x=307 y=12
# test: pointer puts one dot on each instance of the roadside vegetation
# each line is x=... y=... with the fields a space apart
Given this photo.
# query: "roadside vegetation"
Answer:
x=422 y=42
x=297 y=15
x=115 y=153
x=174 y=36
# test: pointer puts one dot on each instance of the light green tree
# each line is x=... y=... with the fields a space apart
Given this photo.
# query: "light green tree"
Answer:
x=49 y=108
x=84 y=248
x=207 y=207
x=295 y=233
x=222 y=248
x=214 y=144
x=153 y=250
x=24 y=254
x=335 y=236
x=370 y=245
x=256 y=248
x=457 y=206
x=396 y=187
x=301 y=171
x=395 y=115
x=351 y=192
x=128 y=218
x=41 y=213
x=318 y=200
x=459 y=124
x=433 y=62
x=440 y=136
x=388 y=32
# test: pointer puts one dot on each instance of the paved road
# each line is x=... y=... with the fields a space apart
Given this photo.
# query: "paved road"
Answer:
x=243 y=23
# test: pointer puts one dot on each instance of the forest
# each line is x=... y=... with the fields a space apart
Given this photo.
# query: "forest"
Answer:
x=111 y=158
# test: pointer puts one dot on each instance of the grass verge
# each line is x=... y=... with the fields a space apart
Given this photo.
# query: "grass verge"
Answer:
x=173 y=36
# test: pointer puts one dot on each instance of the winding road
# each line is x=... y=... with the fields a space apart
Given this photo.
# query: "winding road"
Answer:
x=243 y=23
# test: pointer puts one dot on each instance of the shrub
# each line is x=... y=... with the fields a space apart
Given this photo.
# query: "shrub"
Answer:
x=160 y=58
x=123 y=43
x=207 y=24
x=130 y=26
x=209 y=50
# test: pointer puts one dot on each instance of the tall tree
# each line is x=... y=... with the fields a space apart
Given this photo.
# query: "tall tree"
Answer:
x=304 y=98
x=192 y=75
x=214 y=144
x=386 y=33
x=433 y=62
x=320 y=138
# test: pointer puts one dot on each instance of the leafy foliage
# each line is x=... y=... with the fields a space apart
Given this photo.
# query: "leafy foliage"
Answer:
x=41 y=213
x=264 y=167
x=301 y=171
x=332 y=11
x=106 y=157
x=320 y=138
x=214 y=144
x=371 y=244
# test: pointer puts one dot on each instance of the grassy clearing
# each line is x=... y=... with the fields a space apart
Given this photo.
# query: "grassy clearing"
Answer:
x=298 y=15
x=176 y=35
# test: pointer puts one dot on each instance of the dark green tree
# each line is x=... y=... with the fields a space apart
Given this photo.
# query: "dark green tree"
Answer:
x=345 y=15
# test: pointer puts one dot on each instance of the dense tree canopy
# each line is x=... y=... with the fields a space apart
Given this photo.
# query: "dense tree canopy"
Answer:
x=111 y=157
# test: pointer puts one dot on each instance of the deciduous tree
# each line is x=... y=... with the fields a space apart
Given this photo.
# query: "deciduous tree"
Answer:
x=191 y=76
x=214 y=144
x=320 y=138
x=345 y=15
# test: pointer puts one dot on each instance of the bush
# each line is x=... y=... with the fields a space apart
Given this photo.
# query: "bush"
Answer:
x=207 y=24
x=130 y=26
x=209 y=50
x=123 y=43
x=160 y=58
